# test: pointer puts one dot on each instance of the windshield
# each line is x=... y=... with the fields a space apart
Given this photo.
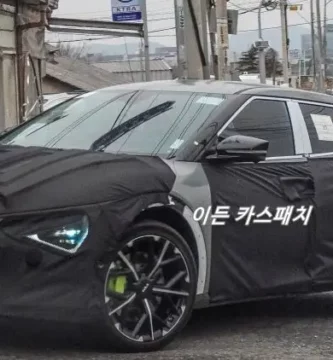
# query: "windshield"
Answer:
x=130 y=122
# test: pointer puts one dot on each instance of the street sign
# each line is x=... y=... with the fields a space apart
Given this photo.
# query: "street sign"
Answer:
x=294 y=54
x=261 y=44
x=126 y=10
x=295 y=7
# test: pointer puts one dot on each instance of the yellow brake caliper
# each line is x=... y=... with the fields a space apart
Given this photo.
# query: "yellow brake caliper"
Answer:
x=117 y=284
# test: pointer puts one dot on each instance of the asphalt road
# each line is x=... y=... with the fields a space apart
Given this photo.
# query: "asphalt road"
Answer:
x=296 y=328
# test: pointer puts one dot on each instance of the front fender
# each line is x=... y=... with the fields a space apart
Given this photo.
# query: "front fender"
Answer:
x=185 y=214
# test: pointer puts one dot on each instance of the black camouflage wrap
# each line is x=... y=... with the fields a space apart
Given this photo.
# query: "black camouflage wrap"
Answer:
x=262 y=259
x=243 y=262
x=320 y=255
x=48 y=185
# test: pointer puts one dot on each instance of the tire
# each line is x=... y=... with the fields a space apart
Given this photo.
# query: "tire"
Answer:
x=158 y=335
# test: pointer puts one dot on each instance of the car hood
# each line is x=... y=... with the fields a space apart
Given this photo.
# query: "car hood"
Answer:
x=35 y=178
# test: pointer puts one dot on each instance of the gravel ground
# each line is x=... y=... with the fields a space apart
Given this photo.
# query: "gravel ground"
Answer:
x=295 y=328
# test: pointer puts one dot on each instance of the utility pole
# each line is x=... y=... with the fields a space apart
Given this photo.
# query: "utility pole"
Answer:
x=8 y=78
x=325 y=38
x=283 y=12
x=262 y=60
x=141 y=50
x=300 y=63
x=146 y=38
x=21 y=64
x=223 y=39
x=320 y=50
x=212 y=35
x=204 y=38
x=180 y=39
x=314 y=57
x=196 y=39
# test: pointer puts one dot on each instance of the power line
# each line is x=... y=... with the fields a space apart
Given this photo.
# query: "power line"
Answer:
x=172 y=28
x=247 y=10
x=109 y=37
x=255 y=9
x=128 y=59
x=242 y=6
x=171 y=13
x=106 y=10
x=162 y=36
x=103 y=38
x=160 y=30
x=278 y=27
x=254 y=3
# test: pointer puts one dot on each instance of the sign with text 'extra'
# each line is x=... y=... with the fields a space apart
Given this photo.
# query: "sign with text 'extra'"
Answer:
x=126 y=10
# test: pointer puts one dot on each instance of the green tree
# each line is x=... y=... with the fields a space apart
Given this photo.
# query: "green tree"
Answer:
x=248 y=61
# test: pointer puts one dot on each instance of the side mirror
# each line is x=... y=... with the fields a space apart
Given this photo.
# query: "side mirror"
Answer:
x=242 y=148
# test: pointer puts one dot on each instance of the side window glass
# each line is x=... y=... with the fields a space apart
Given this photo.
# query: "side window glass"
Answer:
x=319 y=123
x=268 y=120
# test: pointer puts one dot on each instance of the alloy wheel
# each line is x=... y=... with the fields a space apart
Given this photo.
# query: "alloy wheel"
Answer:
x=147 y=288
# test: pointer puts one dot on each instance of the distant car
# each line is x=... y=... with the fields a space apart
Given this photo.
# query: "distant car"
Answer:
x=51 y=100
x=136 y=203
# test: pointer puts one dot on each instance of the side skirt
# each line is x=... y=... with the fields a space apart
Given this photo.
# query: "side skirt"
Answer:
x=203 y=301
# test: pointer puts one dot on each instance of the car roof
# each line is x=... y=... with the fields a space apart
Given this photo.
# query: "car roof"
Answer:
x=226 y=88
x=209 y=86
x=290 y=93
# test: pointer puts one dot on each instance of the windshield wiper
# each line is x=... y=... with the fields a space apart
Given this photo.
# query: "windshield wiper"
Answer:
x=114 y=134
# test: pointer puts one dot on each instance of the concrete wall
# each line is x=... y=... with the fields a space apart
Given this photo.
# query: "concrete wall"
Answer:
x=8 y=75
x=53 y=86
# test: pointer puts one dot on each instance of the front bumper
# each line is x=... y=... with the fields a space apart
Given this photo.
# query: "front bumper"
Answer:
x=40 y=284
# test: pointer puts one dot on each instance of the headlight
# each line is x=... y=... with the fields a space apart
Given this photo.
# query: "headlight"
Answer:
x=66 y=234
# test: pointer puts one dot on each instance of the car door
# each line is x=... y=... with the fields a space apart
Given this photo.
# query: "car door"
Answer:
x=318 y=120
x=260 y=212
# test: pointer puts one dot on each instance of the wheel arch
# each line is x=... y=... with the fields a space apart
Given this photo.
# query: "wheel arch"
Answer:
x=184 y=223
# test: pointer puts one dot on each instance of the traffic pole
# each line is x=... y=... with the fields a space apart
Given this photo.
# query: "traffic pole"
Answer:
x=146 y=39
x=262 y=62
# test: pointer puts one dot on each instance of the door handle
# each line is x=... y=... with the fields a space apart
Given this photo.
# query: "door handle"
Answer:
x=297 y=188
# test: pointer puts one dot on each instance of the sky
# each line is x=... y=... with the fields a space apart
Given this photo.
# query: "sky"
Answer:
x=161 y=16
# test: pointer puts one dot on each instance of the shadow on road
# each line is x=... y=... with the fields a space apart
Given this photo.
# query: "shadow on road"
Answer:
x=24 y=335
x=246 y=317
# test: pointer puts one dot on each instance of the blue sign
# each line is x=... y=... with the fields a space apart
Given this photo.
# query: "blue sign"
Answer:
x=126 y=10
